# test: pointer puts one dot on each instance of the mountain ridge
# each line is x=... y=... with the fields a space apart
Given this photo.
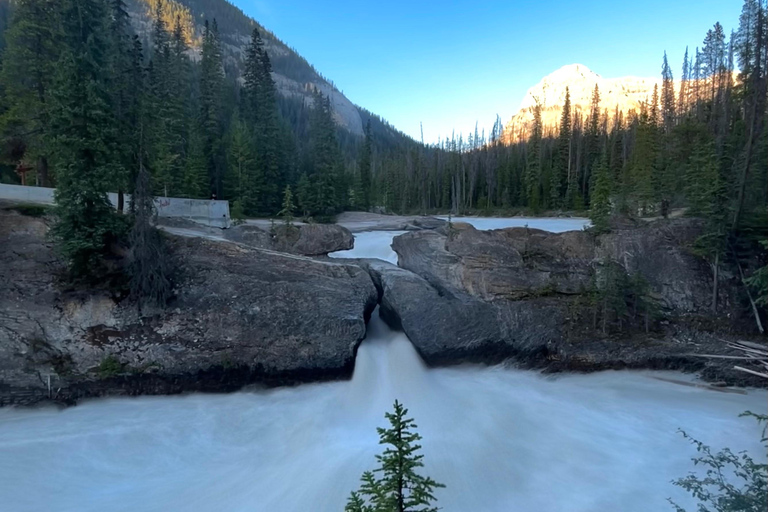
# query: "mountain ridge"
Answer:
x=295 y=78
x=625 y=93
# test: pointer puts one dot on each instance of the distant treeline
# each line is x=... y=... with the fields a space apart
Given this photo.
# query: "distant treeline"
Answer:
x=201 y=128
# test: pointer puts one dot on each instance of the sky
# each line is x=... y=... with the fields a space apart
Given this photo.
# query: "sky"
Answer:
x=449 y=65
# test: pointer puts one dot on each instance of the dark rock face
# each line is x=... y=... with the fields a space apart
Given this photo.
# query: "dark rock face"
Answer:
x=457 y=327
x=518 y=263
x=490 y=295
x=304 y=239
x=242 y=315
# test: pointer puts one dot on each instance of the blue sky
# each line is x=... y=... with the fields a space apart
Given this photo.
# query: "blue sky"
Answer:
x=449 y=64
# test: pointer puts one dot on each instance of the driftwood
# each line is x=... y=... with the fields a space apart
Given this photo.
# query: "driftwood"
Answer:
x=752 y=352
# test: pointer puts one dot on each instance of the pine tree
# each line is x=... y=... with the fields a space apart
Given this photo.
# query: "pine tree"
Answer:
x=29 y=60
x=304 y=195
x=398 y=488
x=533 y=165
x=325 y=160
x=243 y=181
x=645 y=161
x=365 y=168
x=708 y=197
x=125 y=90
x=211 y=87
x=667 y=96
x=196 y=182
x=288 y=207
x=593 y=143
x=682 y=101
x=165 y=158
x=81 y=136
x=149 y=267
x=562 y=171
x=600 y=205
x=261 y=114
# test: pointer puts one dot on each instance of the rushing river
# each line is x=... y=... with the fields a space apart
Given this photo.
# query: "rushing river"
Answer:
x=500 y=439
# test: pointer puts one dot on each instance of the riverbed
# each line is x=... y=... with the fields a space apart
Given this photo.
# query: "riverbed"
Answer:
x=500 y=439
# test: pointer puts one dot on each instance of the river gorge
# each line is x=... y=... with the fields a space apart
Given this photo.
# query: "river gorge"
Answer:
x=499 y=438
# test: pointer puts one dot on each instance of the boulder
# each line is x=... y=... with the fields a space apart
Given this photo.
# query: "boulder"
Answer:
x=426 y=223
x=253 y=236
x=302 y=239
x=321 y=239
x=241 y=315
x=457 y=327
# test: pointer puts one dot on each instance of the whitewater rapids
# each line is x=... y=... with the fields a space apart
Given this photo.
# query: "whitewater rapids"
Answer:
x=499 y=439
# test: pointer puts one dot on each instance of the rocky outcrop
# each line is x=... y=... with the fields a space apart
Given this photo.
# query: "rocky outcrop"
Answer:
x=527 y=294
x=241 y=315
x=317 y=239
x=518 y=263
x=302 y=239
x=449 y=328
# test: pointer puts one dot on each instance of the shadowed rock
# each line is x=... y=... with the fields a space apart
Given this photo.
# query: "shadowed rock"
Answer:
x=456 y=327
x=518 y=263
x=241 y=315
x=304 y=239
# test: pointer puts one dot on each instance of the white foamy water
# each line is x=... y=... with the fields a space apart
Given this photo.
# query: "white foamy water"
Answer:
x=500 y=439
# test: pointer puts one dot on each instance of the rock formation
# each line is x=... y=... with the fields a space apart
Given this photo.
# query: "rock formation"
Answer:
x=470 y=295
x=241 y=315
x=302 y=239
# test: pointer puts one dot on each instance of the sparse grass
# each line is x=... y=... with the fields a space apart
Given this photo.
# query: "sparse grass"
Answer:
x=110 y=366
x=30 y=210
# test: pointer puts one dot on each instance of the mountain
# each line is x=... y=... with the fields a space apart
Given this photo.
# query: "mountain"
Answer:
x=626 y=93
x=294 y=77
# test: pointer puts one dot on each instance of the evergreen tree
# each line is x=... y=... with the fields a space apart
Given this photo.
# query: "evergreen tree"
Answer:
x=644 y=162
x=561 y=173
x=365 y=169
x=304 y=195
x=533 y=165
x=196 y=182
x=682 y=101
x=211 y=92
x=593 y=143
x=667 y=96
x=288 y=207
x=126 y=86
x=707 y=195
x=149 y=267
x=29 y=61
x=600 y=205
x=398 y=487
x=261 y=113
x=165 y=159
x=325 y=161
x=243 y=181
x=81 y=136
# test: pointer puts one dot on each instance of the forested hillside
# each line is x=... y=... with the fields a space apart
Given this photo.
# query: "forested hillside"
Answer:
x=182 y=93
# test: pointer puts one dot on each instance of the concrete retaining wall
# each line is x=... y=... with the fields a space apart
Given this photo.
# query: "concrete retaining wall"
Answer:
x=209 y=213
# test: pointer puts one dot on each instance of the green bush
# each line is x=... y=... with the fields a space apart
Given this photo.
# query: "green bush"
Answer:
x=31 y=210
x=110 y=366
x=733 y=482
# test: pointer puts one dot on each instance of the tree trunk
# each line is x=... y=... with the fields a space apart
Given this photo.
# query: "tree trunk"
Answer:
x=716 y=274
x=42 y=172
